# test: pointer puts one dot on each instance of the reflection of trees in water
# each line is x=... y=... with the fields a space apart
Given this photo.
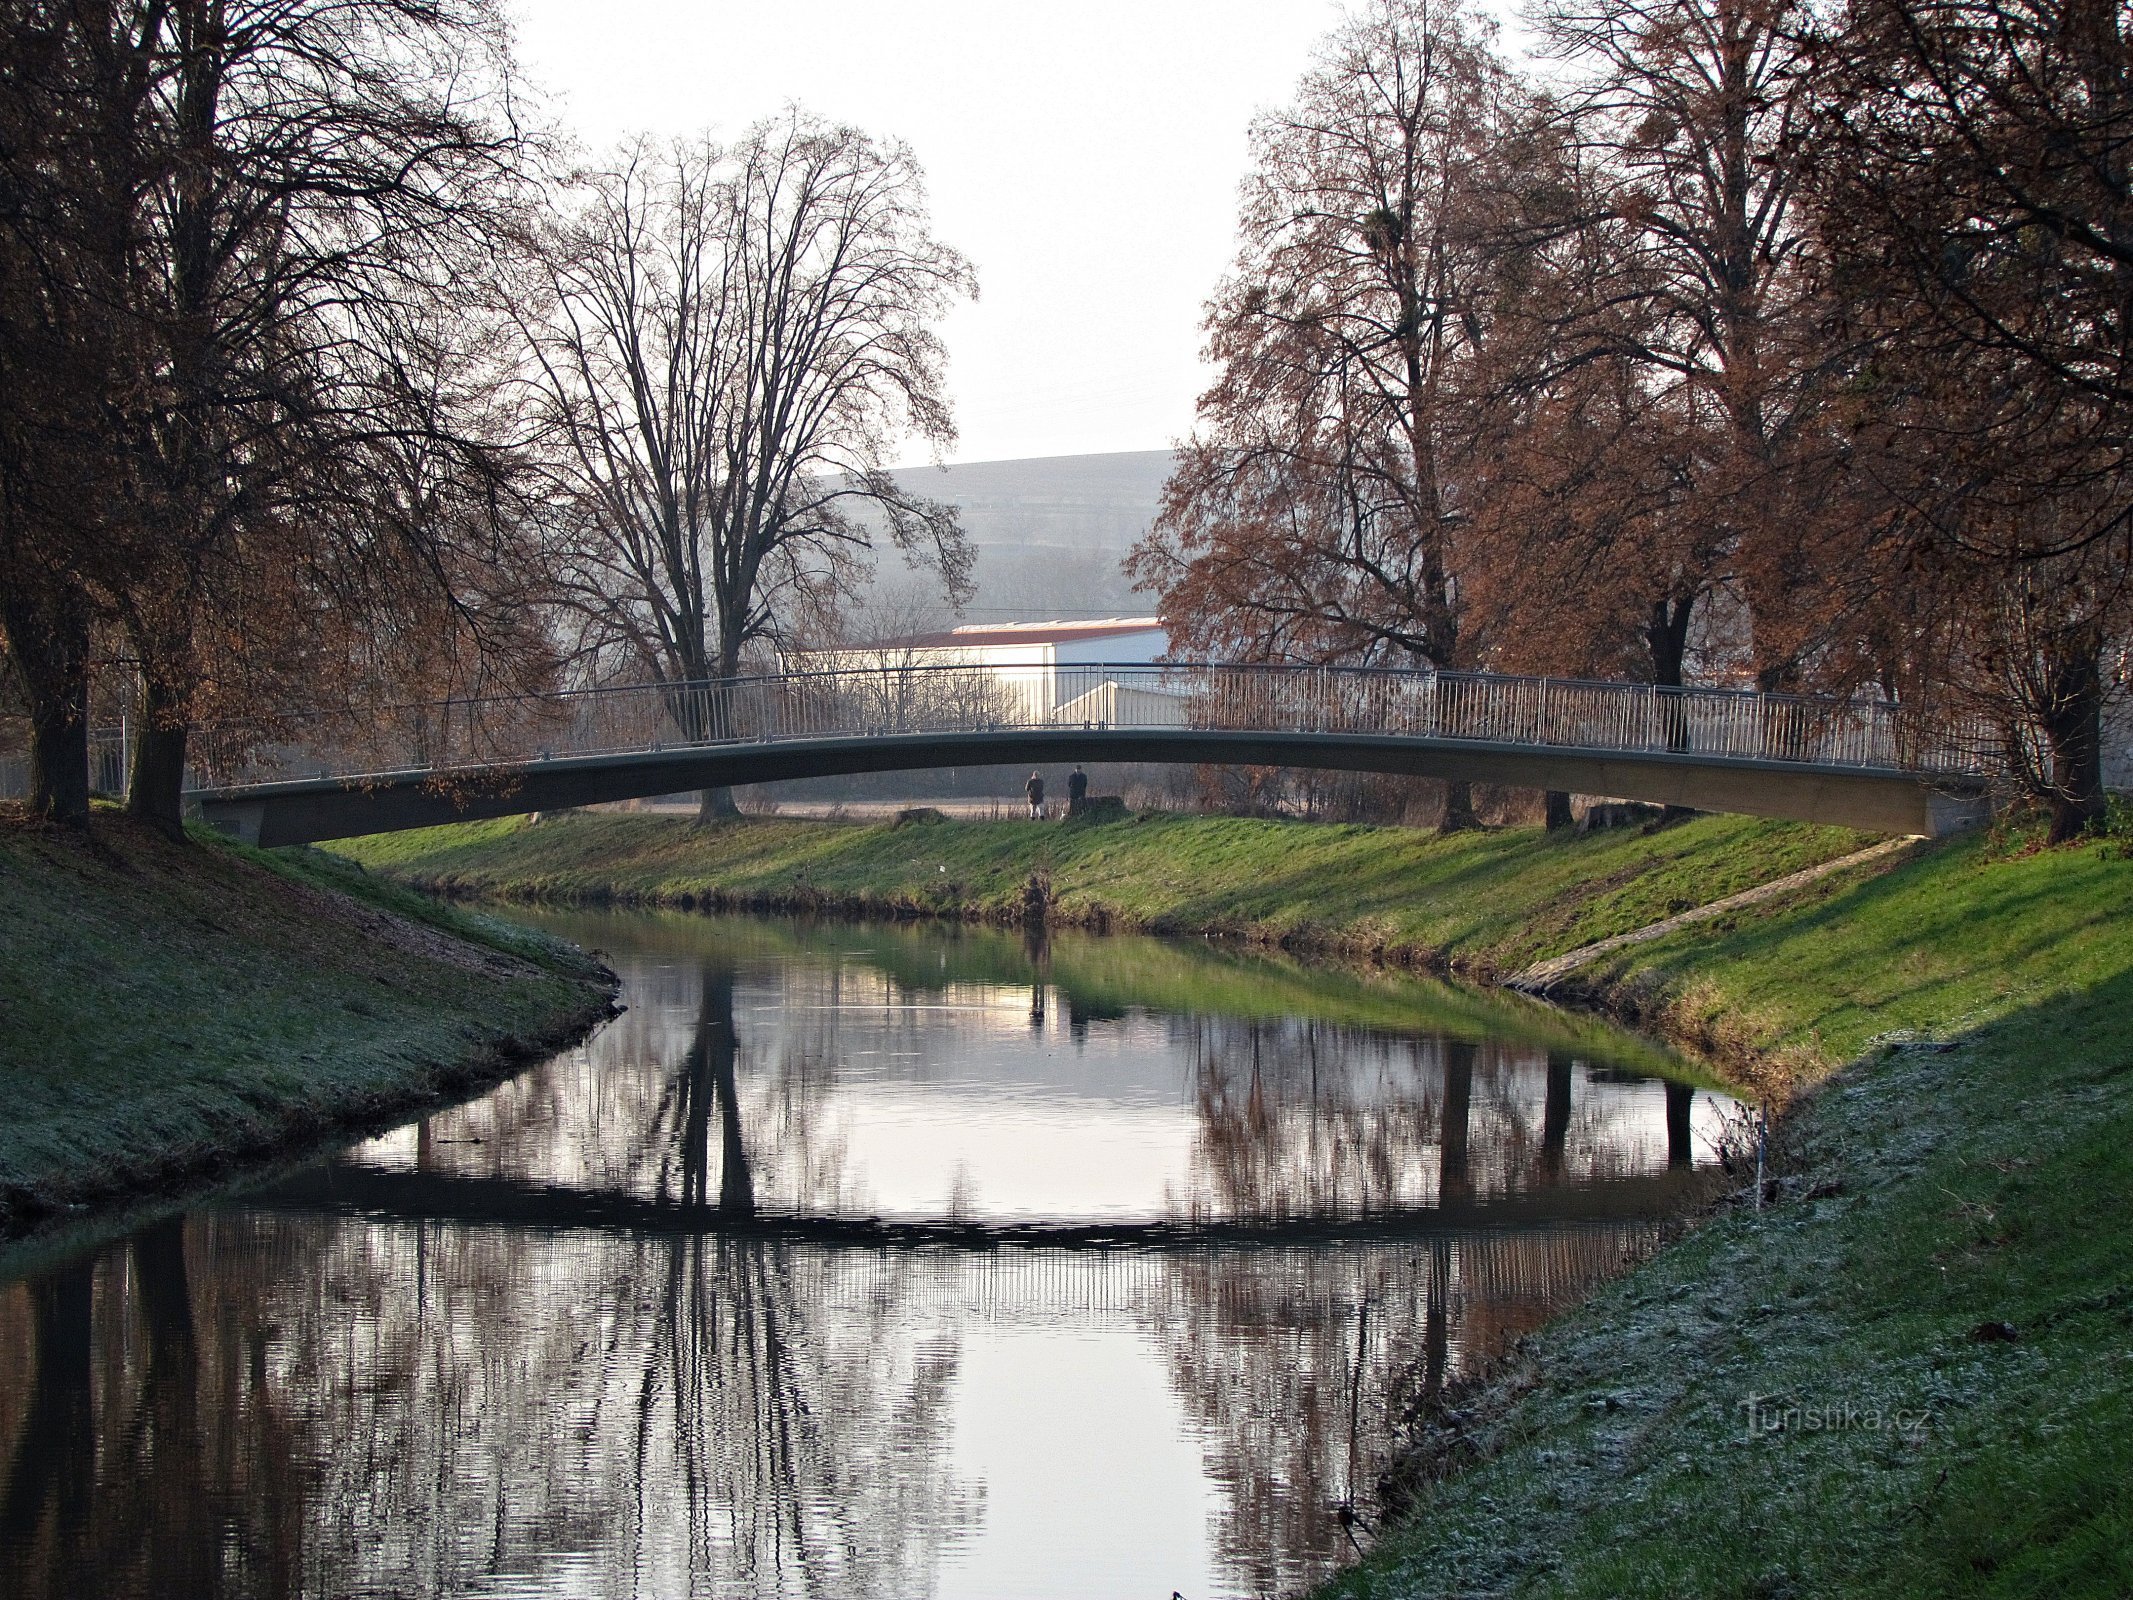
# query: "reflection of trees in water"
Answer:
x=283 y=1406
x=814 y=1434
x=1303 y=1118
x=1300 y=1370
x=706 y=1082
x=129 y=1430
x=1298 y=1366
x=668 y=1101
x=721 y=1087
x=258 y=1404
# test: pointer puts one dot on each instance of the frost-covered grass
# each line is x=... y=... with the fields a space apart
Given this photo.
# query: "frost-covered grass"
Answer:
x=165 y=1008
x=1967 y=1178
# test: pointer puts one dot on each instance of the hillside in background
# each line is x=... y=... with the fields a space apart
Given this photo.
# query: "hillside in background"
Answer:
x=1050 y=532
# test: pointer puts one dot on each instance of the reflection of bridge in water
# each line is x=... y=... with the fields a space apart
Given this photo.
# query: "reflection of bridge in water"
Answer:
x=381 y=1194
x=1867 y=764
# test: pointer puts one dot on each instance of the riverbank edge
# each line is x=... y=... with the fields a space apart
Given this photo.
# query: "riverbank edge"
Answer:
x=53 y=1212
x=1081 y=876
x=1540 y=1478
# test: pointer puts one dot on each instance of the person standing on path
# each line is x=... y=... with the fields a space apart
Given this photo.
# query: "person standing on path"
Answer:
x=1035 y=790
x=1077 y=791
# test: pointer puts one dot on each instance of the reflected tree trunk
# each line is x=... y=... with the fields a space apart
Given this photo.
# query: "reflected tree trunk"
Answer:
x=1555 y=1119
x=1680 y=1149
x=1436 y=1319
x=1453 y=1180
x=709 y=1080
x=696 y=1097
x=51 y=1480
x=182 y=1528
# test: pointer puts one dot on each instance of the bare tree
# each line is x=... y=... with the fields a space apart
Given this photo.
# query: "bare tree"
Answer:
x=314 y=178
x=1586 y=554
x=729 y=344
x=71 y=105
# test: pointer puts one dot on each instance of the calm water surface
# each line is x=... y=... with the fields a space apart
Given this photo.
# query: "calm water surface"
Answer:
x=848 y=1262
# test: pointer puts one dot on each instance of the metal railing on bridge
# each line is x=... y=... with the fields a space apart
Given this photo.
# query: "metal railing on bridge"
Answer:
x=462 y=735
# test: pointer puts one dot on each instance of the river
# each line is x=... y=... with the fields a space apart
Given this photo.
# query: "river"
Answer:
x=851 y=1261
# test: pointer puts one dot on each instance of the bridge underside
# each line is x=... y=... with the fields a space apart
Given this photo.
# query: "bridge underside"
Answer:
x=332 y=808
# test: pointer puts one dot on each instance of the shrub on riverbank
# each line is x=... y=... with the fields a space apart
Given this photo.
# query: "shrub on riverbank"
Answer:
x=1482 y=903
x=168 y=1009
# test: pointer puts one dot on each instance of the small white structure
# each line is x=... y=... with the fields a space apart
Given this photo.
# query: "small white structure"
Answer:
x=1040 y=665
x=1125 y=705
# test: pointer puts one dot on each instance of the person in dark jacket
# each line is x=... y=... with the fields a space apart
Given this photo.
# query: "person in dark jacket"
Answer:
x=1035 y=790
x=1077 y=791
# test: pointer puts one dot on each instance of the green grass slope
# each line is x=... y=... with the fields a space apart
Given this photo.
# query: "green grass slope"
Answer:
x=165 y=1008
x=1912 y=1374
x=1481 y=902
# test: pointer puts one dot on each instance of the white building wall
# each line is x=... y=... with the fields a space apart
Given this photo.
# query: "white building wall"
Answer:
x=1126 y=649
x=2118 y=740
x=1030 y=674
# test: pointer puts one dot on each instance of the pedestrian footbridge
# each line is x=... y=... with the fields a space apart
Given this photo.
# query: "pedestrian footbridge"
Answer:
x=1865 y=764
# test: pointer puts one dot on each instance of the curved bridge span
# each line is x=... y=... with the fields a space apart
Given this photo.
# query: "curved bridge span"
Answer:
x=1863 y=764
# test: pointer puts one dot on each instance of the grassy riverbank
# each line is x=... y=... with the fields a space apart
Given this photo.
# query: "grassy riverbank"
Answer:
x=1482 y=903
x=1912 y=1374
x=167 y=1011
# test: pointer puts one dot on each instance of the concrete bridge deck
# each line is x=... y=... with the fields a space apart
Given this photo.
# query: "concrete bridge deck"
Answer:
x=1862 y=764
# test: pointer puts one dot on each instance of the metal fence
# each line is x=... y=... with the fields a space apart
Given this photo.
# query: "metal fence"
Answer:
x=107 y=767
x=870 y=702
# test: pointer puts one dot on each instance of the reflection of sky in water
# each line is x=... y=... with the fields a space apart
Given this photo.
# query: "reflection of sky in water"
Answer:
x=1093 y=1481
x=289 y=1396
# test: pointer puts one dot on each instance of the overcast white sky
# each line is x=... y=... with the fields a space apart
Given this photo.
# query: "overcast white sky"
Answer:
x=1085 y=157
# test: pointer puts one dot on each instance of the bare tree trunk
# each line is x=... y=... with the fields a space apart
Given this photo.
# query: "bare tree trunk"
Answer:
x=2073 y=728
x=1458 y=807
x=717 y=805
x=155 y=790
x=1668 y=635
x=49 y=638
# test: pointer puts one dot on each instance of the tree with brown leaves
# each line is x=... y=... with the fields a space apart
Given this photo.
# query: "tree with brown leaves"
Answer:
x=1974 y=175
x=1317 y=512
